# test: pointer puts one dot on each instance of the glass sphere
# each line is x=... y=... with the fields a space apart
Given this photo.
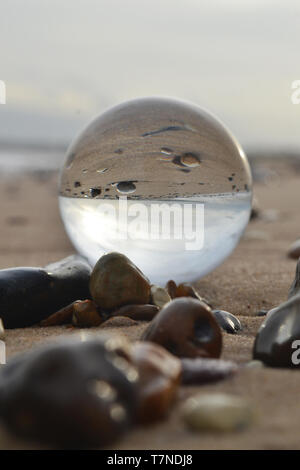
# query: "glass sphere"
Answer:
x=160 y=180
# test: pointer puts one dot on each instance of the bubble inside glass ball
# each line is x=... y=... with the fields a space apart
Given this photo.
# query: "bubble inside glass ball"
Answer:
x=161 y=181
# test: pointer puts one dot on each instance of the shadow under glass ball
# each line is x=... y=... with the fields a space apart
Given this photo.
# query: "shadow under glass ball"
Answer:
x=161 y=156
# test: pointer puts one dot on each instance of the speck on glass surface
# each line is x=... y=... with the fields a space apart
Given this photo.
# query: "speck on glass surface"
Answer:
x=156 y=156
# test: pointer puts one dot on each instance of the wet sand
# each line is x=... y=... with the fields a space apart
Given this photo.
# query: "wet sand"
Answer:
x=256 y=276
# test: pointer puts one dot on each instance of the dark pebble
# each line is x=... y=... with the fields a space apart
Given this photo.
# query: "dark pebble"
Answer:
x=274 y=341
x=202 y=371
x=29 y=295
x=72 y=393
x=187 y=328
x=227 y=321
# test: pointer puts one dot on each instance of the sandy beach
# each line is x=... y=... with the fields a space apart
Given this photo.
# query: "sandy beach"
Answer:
x=256 y=276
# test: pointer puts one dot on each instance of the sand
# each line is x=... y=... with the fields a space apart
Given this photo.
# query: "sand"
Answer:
x=256 y=276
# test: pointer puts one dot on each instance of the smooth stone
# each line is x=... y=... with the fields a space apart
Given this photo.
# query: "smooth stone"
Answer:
x=227 y=321
x=159 y=296
x=29 y=295
x=159 y=378
x=187 y=328
x=86 y=314
x=295 y=287
x=275 y=337
x=186 y=290
x=202 y=371
x=62 y=317
x=71 y=393
x=183 y=290
x=136 y=312
x=116 y=281
x=217 y=412
x=294 y=250
x=171 y=287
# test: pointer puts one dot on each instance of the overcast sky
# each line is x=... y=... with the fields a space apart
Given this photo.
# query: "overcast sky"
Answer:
x=65 y=61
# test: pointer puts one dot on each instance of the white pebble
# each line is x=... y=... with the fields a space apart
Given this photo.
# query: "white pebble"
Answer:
x=159 y=296
x=217 y=412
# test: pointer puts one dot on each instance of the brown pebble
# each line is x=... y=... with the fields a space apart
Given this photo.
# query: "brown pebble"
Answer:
x=171 y=287
x=186 y=290
x=73 y=393
x=61 y=317
x=118 y=322
x=116 y=281
x=294 y=250
x=187 y=328
x=86 y=314
x=137 y=312
x=201 y=371
x=159 y=377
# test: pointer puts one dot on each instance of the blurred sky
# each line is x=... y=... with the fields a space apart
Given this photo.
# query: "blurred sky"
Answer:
x=65 y=61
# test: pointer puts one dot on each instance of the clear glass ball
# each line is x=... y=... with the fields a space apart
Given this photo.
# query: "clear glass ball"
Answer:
x=160 y=180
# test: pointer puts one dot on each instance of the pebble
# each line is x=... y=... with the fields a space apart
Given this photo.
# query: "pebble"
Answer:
x=217 y=412
x=62 y=317
x=227 y=321
x=202 y=371
x=137 y=312
x=29 y=295
x=294 y=250
x=186 y=290
x=171 y=287
x=274 y=340
x=295 y=287
x=187 y=328
x=159 y=378
x=159 y=296
x=72 y=393
x=116 y=281
x=86 y=314
x=183 y=290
